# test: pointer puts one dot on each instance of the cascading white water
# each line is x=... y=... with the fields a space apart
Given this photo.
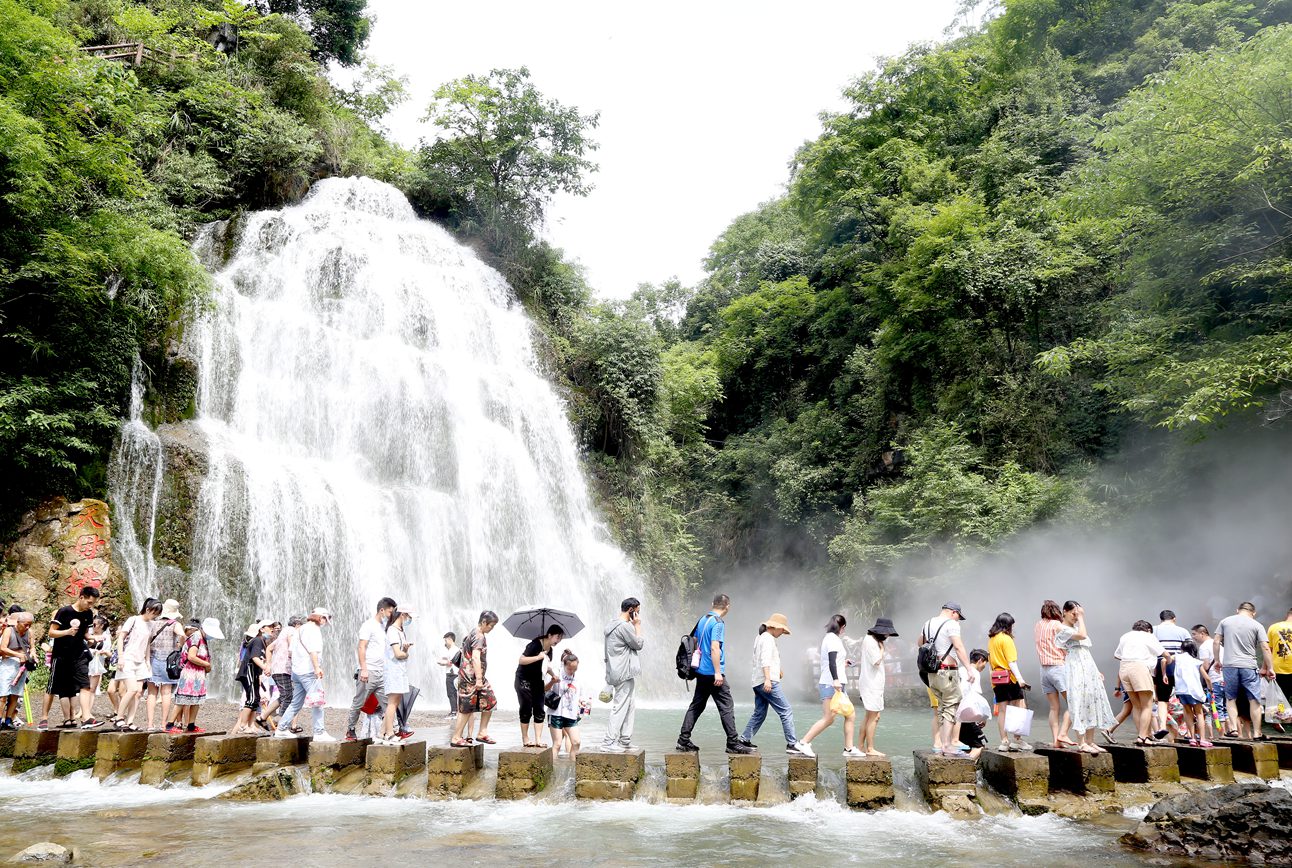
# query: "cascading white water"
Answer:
x=134 y=480
x=378 y=425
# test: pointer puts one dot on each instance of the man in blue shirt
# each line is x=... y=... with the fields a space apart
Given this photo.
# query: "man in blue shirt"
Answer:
x=711 y=634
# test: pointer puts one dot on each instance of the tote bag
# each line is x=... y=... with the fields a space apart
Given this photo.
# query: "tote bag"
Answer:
x=1018 y=721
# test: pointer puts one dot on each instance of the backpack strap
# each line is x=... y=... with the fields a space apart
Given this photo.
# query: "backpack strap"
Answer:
x=934 y=638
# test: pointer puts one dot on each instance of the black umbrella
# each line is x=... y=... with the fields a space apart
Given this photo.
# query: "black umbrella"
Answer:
x=406 y=706
x=533 y=623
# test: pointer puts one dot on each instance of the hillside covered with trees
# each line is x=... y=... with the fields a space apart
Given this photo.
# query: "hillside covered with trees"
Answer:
x=1017 y=253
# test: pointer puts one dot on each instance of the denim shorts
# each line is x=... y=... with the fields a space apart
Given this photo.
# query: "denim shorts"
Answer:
x=827 y=691
x=1189 y=700
x=555 y=721
x=1054 y=679
x=159 y=673
x=1246 y=679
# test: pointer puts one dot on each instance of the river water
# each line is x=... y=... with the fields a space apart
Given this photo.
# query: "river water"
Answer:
x=122 y=823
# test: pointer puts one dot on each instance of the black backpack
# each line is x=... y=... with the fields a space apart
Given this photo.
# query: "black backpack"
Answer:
x=927 y=660
x=174 y=663
x=686 y=653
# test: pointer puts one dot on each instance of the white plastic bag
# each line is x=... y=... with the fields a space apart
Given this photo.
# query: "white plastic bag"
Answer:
x=316 y=697
x=974 y=708
x=1018 y=721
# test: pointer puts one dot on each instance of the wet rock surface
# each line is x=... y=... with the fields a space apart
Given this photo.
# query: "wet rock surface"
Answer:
x=46 y=852
x=1248 y=823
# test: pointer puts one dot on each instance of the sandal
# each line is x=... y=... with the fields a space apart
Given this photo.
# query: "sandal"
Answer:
x=68 y=724
x=1107 y=735
x=298 y=729
x=460 y=743
x=43 y=723
x=484 y=739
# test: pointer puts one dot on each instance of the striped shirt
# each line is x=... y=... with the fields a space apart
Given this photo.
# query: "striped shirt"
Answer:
x=1049 y=653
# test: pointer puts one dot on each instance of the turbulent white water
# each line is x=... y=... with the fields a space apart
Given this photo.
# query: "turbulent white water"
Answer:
x=378 y=425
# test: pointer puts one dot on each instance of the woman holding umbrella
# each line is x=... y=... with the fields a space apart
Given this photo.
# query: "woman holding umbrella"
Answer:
x=398 y=649
x=529 y=682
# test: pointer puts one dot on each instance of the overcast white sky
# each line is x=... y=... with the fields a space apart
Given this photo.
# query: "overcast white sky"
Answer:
x=702 y=103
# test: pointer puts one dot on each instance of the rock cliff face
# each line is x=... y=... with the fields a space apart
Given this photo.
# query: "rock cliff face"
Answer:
x=60 y=548
x=1250 y=822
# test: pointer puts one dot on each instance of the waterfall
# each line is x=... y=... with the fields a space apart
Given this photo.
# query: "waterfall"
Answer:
x=378 y=424
x=134 y=480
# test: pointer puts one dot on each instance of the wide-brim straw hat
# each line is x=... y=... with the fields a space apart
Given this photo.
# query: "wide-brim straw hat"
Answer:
x=170 y=609
x=883 y=627
x=778 y=620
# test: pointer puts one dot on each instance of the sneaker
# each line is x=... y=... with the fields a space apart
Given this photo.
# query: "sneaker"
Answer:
x=283 y=733
x=174 y=727
x=1021 y=745
x=687 y=746
x=193 y=727
x=737 y=748
x=321 y=737
x=91 y=724
x=854 y=751
x=747 y=743
x=350 y=736
x=1005 y=747
x=405 y=733
x=804 y=748
x=612 y=748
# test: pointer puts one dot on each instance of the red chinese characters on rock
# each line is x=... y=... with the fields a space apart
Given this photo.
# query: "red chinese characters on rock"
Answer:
x=90 y=546
x=87 y=518
x=85 y=576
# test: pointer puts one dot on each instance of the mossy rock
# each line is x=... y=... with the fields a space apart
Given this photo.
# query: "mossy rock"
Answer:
x=27 y=763
x=64 y=766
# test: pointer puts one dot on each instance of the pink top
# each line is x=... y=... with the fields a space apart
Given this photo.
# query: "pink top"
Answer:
x=1046 y=649
x=281 y=664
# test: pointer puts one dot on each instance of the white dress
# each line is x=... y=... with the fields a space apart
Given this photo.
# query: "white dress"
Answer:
x=871 y=681
x=396 y=670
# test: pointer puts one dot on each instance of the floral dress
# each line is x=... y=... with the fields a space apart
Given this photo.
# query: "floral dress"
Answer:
x=192 y=679
x=1087 y=699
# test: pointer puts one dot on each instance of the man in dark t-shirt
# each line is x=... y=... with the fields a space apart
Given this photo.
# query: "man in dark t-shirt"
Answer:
x=530 y=683
x=69 y=673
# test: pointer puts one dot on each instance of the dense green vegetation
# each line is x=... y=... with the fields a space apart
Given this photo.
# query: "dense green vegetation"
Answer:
x=105 y=170
x=1014 y=248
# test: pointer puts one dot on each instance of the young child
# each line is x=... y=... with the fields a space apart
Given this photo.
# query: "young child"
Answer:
x=974 y=707
x=100 y=643
x=1191 y=685
x=564 y=720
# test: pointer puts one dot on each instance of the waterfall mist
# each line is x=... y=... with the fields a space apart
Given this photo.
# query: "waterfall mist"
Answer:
x=377 y=424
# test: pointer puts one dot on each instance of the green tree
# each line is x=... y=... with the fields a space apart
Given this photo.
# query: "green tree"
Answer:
x=339 y=29
x=506 y=149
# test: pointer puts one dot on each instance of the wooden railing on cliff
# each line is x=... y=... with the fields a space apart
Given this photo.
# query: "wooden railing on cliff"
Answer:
x=132 y=53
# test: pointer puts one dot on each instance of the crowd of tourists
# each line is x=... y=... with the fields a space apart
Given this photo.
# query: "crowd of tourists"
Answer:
x=1196 y=681
x=1168 y=678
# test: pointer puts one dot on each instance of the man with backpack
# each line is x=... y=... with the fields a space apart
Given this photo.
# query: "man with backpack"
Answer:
x=939 y=669
x=708 y=663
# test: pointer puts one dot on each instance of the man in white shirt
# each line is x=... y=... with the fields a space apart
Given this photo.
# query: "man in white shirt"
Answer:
x=307 y=670
x=943 y=631
x=371 y=652
x=1169 y=634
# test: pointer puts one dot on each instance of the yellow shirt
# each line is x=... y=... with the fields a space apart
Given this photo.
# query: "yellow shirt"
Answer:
x=1001 y=651
x=1281 y=647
